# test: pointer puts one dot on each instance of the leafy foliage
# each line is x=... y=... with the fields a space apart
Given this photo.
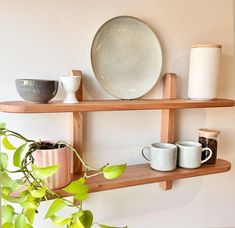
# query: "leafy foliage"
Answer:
x=44 y=172
x=112 y=172
x=31 y=188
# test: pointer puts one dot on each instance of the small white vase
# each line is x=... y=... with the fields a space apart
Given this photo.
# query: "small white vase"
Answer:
x=71 y=85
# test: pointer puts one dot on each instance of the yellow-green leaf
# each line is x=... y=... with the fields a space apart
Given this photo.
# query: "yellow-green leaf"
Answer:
x=2 y=126
x=30 y=215
x=44 y=172
x=6 y=181
x=3 y=161
x=112 y=172
x=60 y=221
x=57 y=205
x=77 y=225
x=6 y=143
x=77 y=187
x=19 y=155
x=39 y=193
x=20 y=221
x=8 y=225
x=7 y=214
x=86 y=218
x=5 y=191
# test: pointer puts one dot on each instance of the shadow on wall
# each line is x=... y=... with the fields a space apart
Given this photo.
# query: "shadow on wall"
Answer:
x=136 y=201
x=226 y=80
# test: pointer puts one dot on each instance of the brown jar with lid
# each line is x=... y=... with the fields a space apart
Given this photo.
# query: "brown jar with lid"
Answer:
x=209 y=138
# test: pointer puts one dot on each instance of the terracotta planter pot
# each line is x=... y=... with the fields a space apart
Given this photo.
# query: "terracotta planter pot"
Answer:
x=49 y=157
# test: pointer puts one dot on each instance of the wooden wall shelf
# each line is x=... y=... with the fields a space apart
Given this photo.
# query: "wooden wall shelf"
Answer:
x=143 y=174
x=111 y=105
x=135 y=174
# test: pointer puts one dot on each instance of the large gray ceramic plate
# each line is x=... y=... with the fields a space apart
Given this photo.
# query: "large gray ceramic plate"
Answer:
x=126 y=57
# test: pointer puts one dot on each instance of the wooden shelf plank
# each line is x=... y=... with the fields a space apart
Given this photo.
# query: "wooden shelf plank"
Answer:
x=111 y=105
x=143 y=174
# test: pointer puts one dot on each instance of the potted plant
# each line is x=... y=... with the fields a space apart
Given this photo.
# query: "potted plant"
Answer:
x=31 y=188
x=49 y=153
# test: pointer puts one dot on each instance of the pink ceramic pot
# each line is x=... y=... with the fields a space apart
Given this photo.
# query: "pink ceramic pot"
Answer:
x=49 y=157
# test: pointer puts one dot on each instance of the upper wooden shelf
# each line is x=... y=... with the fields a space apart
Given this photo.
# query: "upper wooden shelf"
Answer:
x=143 y=174
x=111 y=105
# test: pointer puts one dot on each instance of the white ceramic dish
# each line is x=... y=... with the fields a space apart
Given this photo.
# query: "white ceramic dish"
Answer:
x=126 y=57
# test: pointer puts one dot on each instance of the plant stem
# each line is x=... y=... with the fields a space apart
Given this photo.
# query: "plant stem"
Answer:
x=92 y=175
x=19 y=135
x=78 y=155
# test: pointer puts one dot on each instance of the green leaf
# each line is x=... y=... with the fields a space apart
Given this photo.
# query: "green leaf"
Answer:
x=57 y=205
x=2 y=126
x=39 y=193
x=3 y=161
x=24 y=196
x=77 y=225
x=7 y=214
x=6 y=181
x=112 y=172
x=5 y=191
x=6 y=143
x=30 y=215
x=19 y=155
x=28 y=205
x=77 y=188
x=20 y=221
x=86 y=219
x=81 y=196
x=60 y=221
x=44 y=172
x=8 y=225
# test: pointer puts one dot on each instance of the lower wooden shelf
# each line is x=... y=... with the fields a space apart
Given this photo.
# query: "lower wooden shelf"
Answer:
x=143 y=174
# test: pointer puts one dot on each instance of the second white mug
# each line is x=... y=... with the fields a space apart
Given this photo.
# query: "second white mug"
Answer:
x=190 y=153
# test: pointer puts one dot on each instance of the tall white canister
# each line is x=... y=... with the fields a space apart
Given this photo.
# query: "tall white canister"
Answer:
x=204 y=71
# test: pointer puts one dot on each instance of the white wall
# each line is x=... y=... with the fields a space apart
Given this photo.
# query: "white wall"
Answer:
x=49 y=37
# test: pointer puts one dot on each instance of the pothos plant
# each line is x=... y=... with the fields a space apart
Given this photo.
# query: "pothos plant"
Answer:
x=32 y=188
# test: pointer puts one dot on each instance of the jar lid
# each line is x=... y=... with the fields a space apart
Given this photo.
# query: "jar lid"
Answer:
x=206 y=46
x=208 y=132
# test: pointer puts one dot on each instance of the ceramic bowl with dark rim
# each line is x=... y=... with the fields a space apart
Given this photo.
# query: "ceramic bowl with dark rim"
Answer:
x=37 y=90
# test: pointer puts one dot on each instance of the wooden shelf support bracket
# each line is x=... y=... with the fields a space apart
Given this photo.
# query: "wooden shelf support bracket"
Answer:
x=168 y=117
x=77 y=129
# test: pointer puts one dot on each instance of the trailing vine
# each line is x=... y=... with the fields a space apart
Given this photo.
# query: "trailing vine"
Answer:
x=30 y=187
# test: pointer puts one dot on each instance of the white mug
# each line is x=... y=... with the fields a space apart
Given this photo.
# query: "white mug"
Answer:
x=190 y=153
x=162 y=156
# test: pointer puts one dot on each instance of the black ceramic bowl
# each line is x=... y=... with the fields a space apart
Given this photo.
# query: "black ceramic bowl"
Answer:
x=36 y=90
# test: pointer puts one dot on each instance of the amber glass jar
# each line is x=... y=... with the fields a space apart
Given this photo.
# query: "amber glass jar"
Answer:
x=209 y=138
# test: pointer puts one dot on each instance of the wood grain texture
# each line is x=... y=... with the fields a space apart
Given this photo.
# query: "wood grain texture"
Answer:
x=77 y=140
x=111 y=105
x=168 y=115
x=143 y=174
x=168 y=118
x=79 y=92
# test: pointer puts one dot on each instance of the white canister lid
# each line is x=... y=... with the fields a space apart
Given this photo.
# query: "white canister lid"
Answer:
x=206 y=46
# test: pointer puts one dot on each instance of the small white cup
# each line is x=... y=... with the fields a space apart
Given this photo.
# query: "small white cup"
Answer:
x=163 y=156
x=71 y=85
x=190 y=153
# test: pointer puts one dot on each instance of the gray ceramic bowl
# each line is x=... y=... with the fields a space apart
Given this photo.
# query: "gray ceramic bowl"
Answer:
x=36 y=90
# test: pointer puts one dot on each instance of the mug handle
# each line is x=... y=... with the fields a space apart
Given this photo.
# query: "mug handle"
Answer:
x=148 y=149
x=208 y=157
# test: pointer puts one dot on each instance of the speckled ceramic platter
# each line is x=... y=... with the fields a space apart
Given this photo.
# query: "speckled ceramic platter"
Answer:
x=126 y=57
